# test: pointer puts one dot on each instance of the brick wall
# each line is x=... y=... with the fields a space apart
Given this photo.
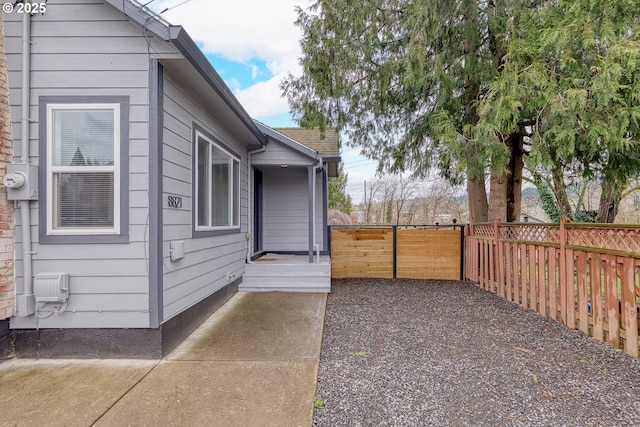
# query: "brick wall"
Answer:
x=7 y=301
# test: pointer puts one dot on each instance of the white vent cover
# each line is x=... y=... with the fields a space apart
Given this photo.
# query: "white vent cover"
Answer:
x=176 y=250
x=51 y=287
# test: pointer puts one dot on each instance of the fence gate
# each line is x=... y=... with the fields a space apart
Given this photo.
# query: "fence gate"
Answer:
x=404 y=252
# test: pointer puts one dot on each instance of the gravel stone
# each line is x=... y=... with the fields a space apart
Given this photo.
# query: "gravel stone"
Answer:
x=445 y=353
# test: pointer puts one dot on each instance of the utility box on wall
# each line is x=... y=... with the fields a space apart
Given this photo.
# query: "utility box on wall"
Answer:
x=176 y=250
x=21 y=181
x=51 y=287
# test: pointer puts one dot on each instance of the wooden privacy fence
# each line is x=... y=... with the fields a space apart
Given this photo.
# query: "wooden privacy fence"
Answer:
x=586 y=276
x=397 y=251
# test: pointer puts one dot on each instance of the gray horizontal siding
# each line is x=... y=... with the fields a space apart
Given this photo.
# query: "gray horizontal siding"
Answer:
x=278 y=154
x=286 y=209
x=107 y=253
x=109 y=285
x=207 y=260
x=185 y=282
x=137 y=164
x=72 y=79
x=178 y=217
x=114 y=44
x=137 y=96
x=177 y=172
x=88 y=319
x=107 y=302
x=86 y=48
x=86 y=62
x=110 y=267
x=62 y=25
x=173 y=186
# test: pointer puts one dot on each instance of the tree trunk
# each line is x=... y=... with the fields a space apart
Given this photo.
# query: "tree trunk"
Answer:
x=477 y=196
x=560 y=192
x=609 y=201
x=514 y=184
x=505 y=197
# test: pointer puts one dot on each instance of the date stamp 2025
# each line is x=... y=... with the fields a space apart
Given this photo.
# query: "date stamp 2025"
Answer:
x=24 y=7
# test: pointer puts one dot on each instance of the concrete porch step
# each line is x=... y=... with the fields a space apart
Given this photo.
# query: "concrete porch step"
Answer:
x=267 y=268
x=286 y=277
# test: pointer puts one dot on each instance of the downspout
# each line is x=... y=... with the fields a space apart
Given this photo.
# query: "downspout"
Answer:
x=316 y=246
x=250 y=218
x=26 y=301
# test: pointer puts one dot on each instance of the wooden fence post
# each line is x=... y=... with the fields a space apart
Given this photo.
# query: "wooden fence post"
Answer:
x=395 y=251
x=499 y=262
x=553 y=284
x=596 y=297
x=563 y=273
x=492 y=246
x=570 y=286
x=524 y=293
x=612 y=306
x=515 y=262
x=629 y=313
x=462 y=251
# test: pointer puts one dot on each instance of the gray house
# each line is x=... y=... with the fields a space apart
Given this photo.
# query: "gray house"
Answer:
x=144 y=189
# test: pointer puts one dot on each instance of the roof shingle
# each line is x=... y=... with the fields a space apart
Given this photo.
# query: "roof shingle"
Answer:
x=326 y=144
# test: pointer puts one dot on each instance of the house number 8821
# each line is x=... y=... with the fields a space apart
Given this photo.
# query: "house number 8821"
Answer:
x=174 y=201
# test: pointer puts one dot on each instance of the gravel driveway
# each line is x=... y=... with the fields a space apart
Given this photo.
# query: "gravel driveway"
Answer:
x=417 y=353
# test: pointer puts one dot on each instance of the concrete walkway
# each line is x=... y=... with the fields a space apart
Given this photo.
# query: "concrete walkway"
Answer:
x=253 y=363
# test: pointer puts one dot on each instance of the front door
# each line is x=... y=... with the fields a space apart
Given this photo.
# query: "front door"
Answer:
x=257 y=210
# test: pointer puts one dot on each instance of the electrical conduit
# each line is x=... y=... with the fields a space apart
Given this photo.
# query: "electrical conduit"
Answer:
x=26 y=301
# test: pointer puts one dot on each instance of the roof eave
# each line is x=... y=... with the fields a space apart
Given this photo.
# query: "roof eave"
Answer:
x=143 y=16
x=332 y=159
x=289 y=142
x=185 y=44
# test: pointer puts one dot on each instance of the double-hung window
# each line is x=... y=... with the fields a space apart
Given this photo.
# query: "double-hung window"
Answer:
x=83 y=168
x=217 y=185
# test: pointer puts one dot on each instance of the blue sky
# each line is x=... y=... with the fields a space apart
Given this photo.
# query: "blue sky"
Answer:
x=245 y=74
x=240 y=76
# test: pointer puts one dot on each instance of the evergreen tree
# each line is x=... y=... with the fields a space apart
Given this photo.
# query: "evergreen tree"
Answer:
x=572 y=73
x=338 y=197
x=547 y=200
x=403 y=78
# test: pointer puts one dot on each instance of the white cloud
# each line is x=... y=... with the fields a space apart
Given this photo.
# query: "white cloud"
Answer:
x=263 y=99
x=233 y=84
x=241 y=30
x=255 y=71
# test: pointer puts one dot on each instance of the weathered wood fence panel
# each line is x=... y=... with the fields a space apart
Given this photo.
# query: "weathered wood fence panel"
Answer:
x=585 y=276
x=415 y=252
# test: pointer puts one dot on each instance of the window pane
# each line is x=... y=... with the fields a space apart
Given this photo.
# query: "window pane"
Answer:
x=83 y=200
x=217 y=188
x=236 y=192
x=220 y=183
x=83 y=137
x=203 y=187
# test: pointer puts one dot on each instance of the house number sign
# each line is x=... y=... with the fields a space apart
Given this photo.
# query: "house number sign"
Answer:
x=174 y=201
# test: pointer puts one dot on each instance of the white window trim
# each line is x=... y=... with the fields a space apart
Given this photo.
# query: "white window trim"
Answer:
x=235 y=186
x=57 y=169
